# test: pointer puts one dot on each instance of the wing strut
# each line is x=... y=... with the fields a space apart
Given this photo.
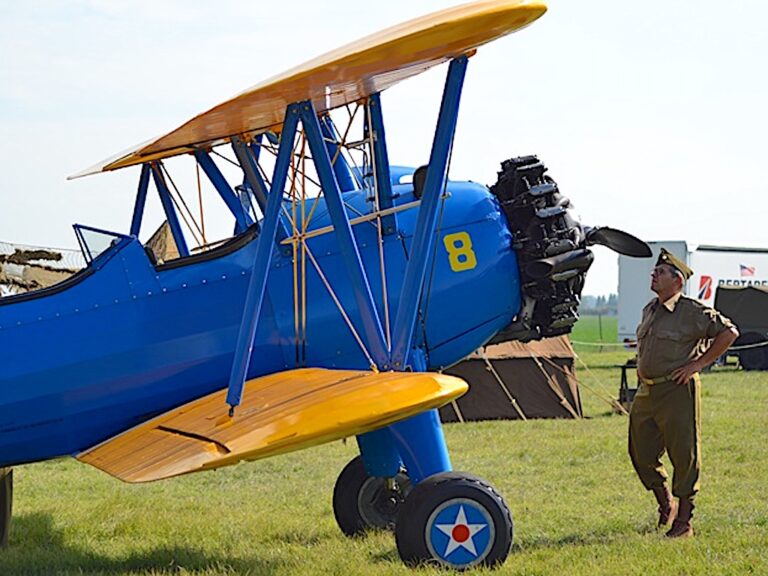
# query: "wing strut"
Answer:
x=380 y=161
x=242 y=218
x=349 y=252
x=340 y=166
x=257 y=285
x=423 y=238
x=398 y=357
x=170 y=212
x=246 y=157
x=141 y=200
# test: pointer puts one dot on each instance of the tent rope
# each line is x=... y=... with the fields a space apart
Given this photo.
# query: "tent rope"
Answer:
x=570 y=375
x=455 y=406
x=600 y=344
x=492 y=370
x=459 y=415
x=748 y=346
x=604 y=396
x=555 y=388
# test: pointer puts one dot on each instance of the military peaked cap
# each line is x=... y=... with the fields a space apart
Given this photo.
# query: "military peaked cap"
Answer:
x=665 y=257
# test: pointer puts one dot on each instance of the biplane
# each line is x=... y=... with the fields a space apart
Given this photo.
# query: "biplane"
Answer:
x=347 y=286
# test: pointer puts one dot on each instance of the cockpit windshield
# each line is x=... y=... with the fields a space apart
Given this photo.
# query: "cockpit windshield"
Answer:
x=94 y=241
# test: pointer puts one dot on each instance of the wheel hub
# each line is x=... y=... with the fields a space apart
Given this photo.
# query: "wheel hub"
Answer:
x=460 y=533
x=379 y=500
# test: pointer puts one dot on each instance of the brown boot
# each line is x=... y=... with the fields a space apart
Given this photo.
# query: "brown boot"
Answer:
x=681 y=527
x=666 y=505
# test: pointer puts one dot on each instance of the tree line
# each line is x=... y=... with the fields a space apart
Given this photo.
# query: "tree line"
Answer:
x=605 y=305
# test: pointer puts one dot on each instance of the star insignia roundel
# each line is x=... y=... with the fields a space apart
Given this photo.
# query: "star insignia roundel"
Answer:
x=460 y=532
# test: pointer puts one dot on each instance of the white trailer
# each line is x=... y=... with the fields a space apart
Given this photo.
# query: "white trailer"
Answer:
x=712 y=266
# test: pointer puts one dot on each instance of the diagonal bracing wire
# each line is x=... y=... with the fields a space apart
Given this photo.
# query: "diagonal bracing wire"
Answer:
x=200 y=203
x=179 y=206
x=341 y=309
x=380 y=241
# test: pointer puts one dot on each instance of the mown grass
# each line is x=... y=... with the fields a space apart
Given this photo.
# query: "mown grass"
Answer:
x=589 y=328
x=577 y=506
x=596 y=334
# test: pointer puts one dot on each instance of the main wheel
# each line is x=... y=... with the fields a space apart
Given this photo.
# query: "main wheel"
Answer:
x=456 y=520
x=362 y=502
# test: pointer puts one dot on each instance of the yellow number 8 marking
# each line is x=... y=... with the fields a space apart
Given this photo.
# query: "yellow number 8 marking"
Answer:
x=460 y=253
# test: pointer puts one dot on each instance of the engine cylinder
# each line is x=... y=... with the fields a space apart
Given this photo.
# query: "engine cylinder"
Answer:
x=550 y=244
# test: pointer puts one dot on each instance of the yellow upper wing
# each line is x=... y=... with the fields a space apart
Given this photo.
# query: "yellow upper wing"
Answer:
x=345 y=75
x=279 y=413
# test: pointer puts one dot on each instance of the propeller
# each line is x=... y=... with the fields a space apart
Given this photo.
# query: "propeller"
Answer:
x=618 y=241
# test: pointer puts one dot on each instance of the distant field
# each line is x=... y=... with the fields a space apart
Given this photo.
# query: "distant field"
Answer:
x=578 y=509
x=596 y=330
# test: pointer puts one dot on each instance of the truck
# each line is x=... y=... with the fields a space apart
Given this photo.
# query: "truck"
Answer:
x=713 y=267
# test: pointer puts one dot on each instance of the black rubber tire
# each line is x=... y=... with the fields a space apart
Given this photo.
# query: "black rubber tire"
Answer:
x=435 y=500
x=362 y=502
x=6 y=504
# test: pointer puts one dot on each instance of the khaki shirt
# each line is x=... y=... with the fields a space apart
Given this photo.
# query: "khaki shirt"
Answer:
x=671 y=334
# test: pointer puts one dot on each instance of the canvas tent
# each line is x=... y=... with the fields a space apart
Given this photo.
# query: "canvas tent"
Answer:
x=27 y=268
x=161 y=244
x=513 y=380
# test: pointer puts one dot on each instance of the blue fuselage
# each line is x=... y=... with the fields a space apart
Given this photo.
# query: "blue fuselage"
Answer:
x=131 y=339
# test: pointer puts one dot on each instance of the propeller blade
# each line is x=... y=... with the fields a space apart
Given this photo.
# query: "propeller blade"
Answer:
x=618 y=241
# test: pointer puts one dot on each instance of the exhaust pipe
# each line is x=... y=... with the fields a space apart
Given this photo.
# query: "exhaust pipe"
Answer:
x=576 y=260
x=552 y=249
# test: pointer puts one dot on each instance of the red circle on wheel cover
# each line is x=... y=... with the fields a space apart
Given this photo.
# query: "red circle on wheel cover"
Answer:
x=460 y=533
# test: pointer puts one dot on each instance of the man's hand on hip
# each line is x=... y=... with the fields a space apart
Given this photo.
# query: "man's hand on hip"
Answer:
x=684 y=374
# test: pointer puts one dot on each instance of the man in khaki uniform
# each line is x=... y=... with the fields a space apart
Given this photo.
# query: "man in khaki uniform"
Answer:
x=665 y=412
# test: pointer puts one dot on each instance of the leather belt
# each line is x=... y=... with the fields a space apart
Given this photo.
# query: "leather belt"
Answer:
x=661 y=379
x=652 y=381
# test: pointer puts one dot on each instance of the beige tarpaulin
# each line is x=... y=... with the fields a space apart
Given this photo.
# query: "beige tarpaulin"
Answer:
x=515 y=380
x=24 y=268
x=162 y=244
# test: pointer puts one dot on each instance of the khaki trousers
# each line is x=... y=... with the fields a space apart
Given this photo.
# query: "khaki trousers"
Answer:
x=666 y=417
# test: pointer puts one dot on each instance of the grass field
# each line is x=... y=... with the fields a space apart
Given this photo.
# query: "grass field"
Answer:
x=596 y=330
x=577 y=506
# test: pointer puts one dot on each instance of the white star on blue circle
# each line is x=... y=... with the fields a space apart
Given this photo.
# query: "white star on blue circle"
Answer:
x=460 y=533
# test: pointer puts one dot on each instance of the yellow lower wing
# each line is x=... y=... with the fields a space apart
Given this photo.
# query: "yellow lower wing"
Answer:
x=279 y=413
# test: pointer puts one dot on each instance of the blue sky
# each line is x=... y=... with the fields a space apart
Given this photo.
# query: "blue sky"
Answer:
x=651 y=116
